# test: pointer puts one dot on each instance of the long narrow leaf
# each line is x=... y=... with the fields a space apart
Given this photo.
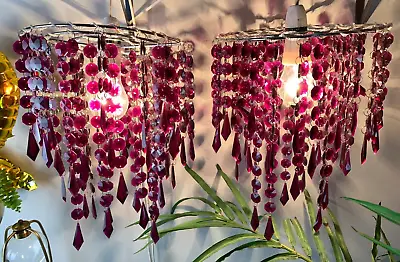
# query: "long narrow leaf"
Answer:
x=387 y=242
x=340 y=238
x=289 y=232
x=385 y=246
x=223 y=243
x=317 y=240
x=277 y=234
x=379 y=210
x=228 y=212
x=236 y=192
x=377 y=236
x=202 y=199
x=201 y=223
x=280 y=257
x=143 y=248
x=334 y=242
x=168 y=218
x=302 y=236
x=253 y=244
x=238 y=212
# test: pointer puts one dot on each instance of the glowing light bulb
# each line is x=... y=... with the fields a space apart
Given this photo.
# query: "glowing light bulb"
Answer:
x=115 y=102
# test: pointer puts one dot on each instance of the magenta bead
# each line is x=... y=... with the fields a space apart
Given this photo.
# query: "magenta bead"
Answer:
x=305 y=49
x=25 y=102
x=61 y=48
x=79 y=122
x=319 y=51
x=285 y=163
x=91 y=69
x=95 y=121
x=270 y=207
x=94 y=105
x=256 y=184
x=111 y=50
x=255 y=197
x=132 y=56
x=317 y=72
x=118 y=144
x=77 y=214
x=62 y=68
x=285 y=175
x=105 y=186
x=120 y=161
x=270 y=192
x=99 y=138
x=113 y=70
x=271 y=178
x=100 y=154
x=90 y=51
x=28 y=119
x=92 y=87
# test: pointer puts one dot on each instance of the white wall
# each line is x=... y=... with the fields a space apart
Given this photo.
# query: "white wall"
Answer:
x=376 y=181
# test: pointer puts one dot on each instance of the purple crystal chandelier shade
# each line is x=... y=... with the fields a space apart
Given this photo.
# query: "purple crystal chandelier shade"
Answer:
x=102 y=100
x=311 y=131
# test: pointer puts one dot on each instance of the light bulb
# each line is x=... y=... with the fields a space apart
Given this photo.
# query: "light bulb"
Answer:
x=115 y=101
x=290 y=81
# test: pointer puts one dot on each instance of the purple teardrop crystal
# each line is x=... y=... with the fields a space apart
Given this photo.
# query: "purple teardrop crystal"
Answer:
x=33 y=148
x=63 y=190
x=192 y=153
x=161 y=197
x=285 y=195
x=312 y=163
x=175 y=143
x=255 y=222
x=122 y=192
x=94 y=210
x=364 y=150
x=183 y=153
x=85 y=208
x=217 y=140
x=136 y=202
x=78 y=238
x=226 y=127
x=144 y=217
x=318 y=221
x=108 y=220
x=269 y=230
x=294 y=188
x=173 y=180
x=154 y=232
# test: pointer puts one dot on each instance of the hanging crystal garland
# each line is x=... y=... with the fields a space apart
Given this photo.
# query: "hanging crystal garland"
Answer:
x=121 y=95
x=296 y=92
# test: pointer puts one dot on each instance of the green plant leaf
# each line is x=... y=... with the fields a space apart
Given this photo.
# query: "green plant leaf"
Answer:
x=223 y=243
x=202 y=199
x=277 y=234
x=280 y=257
x=312 y=216
x=253 y=244
x=238 y=212
x=289 y=232
x=387 y=242
x=302 y=236
x=385 y=246
x=340 y=238
x=377 y=236
x=228 y=212
x=379 y=210
x=236 y=192
x=334 y=242
x=143 y=248
x=167 y=218
x=202 y=223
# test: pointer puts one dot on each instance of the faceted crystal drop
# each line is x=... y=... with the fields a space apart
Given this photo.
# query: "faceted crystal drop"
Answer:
x=58 y=163
x=63 y=190
x=144 y=217
x=302 y=182
x=46 y=152
x=338 y=138
x=248 y=159
x=154 y=232
x=183 y=153
x=217 y=140
x=285 y=195
x=254 y=219
x=364 y=150
x=318 y=222
x=226 y=127
x=161 y=197
x=237 y=171
x=78 y=238
x=345 y=165
x=269 y=230
x=294 y=188
x=94 y=211
x=33 y=148
x=85 y=208
x=375 y=142
x=236 y=147
x=312 y=163
x=122 y=192
x=325 y=197
x=318 y=154
x=136 y=202
x=175 y=143
x=108 y=220
x=173 y=181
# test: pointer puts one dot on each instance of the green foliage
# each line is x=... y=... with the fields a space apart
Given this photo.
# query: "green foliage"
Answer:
x=226 y=214
x=8 y=194
x=381 y=212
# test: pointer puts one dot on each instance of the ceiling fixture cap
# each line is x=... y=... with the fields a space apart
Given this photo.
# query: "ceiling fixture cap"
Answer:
x=296 y=18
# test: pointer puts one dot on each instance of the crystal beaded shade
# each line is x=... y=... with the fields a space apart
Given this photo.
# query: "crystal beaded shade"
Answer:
x=286 y=139
x=120 y=94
